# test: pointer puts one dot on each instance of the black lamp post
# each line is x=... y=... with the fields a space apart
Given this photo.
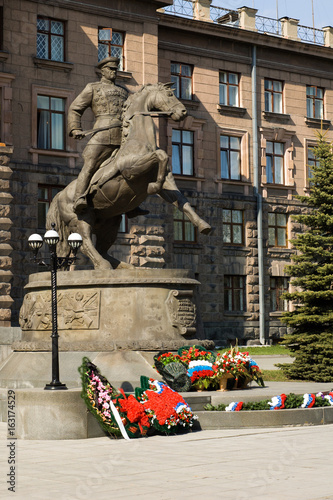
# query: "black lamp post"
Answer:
x=51 y=238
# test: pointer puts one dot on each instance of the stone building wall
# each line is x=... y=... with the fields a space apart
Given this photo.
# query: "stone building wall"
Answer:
x=153 y=40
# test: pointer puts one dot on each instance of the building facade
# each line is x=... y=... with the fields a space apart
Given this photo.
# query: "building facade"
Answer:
x=257 y=91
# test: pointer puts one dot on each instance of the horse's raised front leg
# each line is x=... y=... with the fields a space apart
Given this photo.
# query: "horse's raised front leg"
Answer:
x=155 y=187
x=132 y=168
x=171 y=194
x=88 y=249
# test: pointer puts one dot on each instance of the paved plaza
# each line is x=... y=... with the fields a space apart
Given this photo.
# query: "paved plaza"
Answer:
x=247 y=464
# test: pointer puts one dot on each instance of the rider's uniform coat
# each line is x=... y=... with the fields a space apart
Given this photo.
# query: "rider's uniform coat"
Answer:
x=106 y=101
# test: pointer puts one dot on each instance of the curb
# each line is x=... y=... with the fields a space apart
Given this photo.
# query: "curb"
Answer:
x=210 y=420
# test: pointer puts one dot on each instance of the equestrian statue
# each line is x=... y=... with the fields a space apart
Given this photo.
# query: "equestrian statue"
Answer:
x=122 y=165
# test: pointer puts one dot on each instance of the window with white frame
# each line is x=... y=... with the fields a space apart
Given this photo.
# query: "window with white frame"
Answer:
x=229 y=88
x=230 y=157
x=50 y=122
x=275 y=162
x=182 y=152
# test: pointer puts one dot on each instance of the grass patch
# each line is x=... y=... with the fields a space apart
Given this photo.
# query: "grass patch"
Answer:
x=271 y=350
x=275 y=376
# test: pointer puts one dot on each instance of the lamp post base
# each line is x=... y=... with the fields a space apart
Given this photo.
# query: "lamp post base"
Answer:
x=55 y=386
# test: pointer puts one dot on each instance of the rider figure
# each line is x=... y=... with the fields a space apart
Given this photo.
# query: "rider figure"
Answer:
x=106 y=100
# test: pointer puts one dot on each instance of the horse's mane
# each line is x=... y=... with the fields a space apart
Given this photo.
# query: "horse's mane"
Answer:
x=126 y=117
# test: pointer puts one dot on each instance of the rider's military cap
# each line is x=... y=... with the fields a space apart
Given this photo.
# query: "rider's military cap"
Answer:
x=112 y=62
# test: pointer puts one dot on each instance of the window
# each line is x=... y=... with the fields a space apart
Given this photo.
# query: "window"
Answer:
x=182 y=152
x=277 y=230
x=111 y=43
x=229 y=88
x=50 y=122
x=45 y=196
x=314 y=102
x=50 y=39
x=181 y=77
x=275 y=162
x=230 y=151
x=233 y=228
x=312 y=161
x=123 y=228
x=234 y=293
x=184 y=230
x=273 y=96
x=278 y=286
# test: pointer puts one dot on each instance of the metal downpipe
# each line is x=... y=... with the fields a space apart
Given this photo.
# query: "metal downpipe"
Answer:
x=257 y=193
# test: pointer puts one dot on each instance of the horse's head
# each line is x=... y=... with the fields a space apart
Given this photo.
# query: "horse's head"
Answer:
x=164 y=99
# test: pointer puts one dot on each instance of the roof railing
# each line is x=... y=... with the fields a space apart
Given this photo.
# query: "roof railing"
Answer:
x=246 y=18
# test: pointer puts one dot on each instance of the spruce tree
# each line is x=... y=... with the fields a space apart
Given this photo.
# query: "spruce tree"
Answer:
x=311 y=340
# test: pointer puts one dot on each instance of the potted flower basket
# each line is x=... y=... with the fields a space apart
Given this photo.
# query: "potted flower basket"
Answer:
x=226 y=382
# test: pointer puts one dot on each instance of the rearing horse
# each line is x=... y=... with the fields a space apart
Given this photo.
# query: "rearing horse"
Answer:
x=125 y=180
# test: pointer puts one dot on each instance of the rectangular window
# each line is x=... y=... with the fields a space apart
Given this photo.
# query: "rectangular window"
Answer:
x=275 y=162
x=229 y=88
x=277 y=230
x=278 y=286
x=312 y=160
x=181 y=77
x=233 y=228
x=184 y=230
x=46 y=194
x=273 y=96
x=111 y=43
x=182 y=152
x=50 y=39
x=50 y=122
x=123 y=228
x=230 y=151
x=234 y=293
x=314 y=102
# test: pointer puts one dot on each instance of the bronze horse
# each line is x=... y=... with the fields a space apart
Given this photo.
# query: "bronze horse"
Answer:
x=124 y=181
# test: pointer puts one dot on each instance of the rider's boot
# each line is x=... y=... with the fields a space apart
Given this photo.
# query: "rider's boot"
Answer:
x=80 y=204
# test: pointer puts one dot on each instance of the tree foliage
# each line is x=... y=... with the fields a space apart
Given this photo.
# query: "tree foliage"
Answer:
x=311 y=340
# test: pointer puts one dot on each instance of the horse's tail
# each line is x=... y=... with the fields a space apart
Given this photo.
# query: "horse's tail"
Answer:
x=53 y=216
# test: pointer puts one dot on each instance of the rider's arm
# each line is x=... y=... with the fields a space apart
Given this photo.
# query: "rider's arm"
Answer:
x=76 y=110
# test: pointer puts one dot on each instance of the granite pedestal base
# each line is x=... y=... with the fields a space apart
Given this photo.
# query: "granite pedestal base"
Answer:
x=127 y=309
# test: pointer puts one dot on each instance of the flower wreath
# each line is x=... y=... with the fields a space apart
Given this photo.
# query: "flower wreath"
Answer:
x=155 y=405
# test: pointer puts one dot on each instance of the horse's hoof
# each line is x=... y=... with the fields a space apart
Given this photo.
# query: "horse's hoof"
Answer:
x=103 y=266
x=125 y=265
x=204 y=227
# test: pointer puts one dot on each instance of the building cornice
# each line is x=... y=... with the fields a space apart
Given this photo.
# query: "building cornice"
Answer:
x=94 y=9
x=245 y=36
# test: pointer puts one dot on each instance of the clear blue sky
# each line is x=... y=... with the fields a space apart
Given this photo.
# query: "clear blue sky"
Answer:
x=298 y=9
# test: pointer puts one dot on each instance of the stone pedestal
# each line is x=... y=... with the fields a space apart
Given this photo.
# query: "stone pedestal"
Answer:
x=139 y=309
x=118 y=319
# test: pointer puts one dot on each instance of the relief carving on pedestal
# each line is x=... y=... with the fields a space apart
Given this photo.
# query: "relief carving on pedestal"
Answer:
x=182 y=311
x=77 y=310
